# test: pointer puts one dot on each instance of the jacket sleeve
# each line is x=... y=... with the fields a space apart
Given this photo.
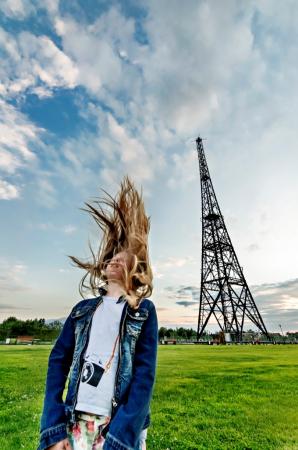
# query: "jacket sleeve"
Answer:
x=53 y=420
x=127 y=424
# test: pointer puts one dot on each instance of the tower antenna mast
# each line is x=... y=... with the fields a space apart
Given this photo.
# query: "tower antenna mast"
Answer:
x=224 y=292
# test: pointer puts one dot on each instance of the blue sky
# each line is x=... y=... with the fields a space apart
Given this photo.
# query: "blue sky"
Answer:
x=93 y=90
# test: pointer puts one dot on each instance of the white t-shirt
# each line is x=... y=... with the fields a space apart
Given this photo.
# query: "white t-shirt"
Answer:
x=103 y=333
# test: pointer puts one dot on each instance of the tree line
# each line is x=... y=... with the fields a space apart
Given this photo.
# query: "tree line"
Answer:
x=37 y=328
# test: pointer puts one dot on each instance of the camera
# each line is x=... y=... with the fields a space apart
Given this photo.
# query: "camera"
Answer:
x=91 y=373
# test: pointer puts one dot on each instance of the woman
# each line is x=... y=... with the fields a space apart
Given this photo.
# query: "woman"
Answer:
x=108 y=345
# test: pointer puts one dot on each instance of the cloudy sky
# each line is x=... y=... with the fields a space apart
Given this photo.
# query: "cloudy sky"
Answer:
x=93 y=90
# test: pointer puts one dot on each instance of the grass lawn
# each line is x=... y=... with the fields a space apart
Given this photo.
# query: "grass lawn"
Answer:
x=205 y=397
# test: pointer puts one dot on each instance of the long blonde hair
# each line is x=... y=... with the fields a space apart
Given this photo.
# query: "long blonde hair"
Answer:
x=125 y=228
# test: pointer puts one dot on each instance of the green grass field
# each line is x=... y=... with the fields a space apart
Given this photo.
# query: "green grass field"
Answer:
x=205 y=397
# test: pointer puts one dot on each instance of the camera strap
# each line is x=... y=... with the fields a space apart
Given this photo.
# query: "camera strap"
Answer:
x=108 y=364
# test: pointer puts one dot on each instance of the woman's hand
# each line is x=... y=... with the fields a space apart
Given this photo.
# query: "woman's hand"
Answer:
x=61 y=445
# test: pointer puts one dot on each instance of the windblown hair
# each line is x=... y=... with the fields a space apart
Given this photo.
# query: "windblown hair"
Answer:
x=125 y=228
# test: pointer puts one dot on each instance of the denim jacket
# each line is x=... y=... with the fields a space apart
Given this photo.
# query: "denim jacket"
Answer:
x=134 y=381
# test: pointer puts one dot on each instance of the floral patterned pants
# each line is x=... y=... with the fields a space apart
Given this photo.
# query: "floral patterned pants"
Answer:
x=85 y=434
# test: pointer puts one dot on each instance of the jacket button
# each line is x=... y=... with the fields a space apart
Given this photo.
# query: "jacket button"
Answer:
x=137 y=314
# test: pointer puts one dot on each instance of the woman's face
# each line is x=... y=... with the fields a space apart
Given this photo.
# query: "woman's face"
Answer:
x=115 y=267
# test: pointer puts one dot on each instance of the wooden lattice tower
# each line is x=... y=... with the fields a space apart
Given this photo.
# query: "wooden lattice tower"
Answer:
x=224 y=293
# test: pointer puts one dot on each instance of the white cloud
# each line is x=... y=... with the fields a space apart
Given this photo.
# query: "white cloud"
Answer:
x=16 y=9
x=18 y=137
x=93 y=51
x=8 y=162
x=191 y=60
x=46 y=192
x=168 y=264
x=107 y=155
x=131 y=152
x=47 y=61
x=52 y=6
x=8 y=191
x=21 y=9
x=183 y=172
x=48 y=226
x=69 y=229
x=12 y=276
x=16 y=132
x=34 y=64
x=177 y=83
x=64 y=270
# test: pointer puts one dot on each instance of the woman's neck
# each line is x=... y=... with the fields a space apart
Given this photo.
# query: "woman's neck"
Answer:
x=114 y=289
